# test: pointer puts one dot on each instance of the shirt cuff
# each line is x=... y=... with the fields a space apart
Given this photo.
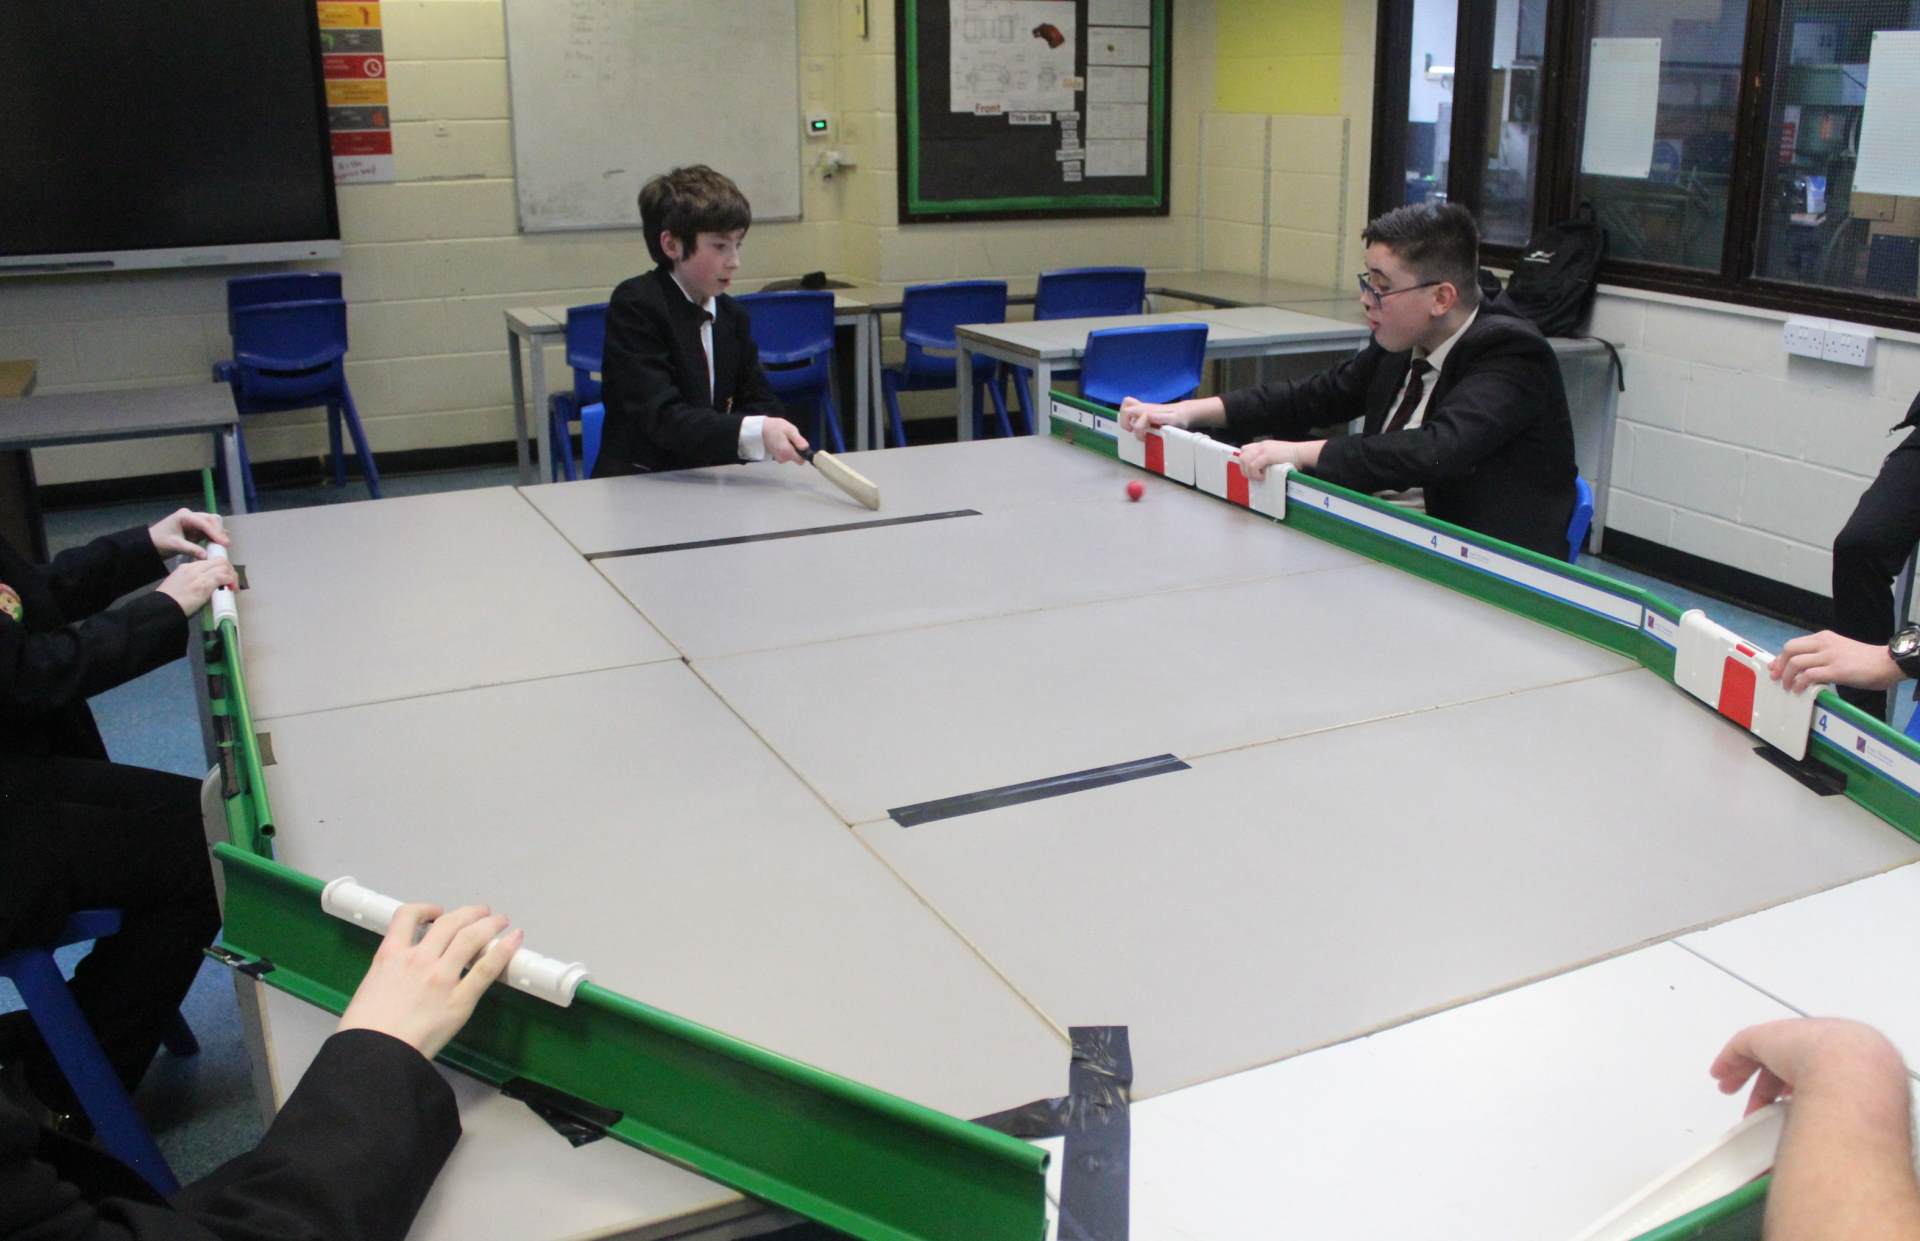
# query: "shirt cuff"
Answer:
x=752 y=447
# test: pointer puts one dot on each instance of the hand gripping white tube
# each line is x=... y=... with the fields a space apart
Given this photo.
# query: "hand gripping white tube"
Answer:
x=548 y=979
x=225 y=607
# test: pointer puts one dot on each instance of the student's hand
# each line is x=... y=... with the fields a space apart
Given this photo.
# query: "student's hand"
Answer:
x=1826 y=658
x=1785 y=1053
x=1262 y=455
x=194 y=582
x=783 y=440
x=173 y=534
x=423 y=993
x=1139 y=417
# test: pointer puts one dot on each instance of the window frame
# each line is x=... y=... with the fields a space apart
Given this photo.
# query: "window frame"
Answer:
x=1557 y=179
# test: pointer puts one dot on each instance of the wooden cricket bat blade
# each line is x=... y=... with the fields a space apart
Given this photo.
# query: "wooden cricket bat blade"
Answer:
x=845 y=477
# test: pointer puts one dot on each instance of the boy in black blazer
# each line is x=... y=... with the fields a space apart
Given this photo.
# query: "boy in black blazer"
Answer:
x=1465 y=414
x=680 y=377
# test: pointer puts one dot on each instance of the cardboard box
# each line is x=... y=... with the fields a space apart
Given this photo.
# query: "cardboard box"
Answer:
x=1904 y=222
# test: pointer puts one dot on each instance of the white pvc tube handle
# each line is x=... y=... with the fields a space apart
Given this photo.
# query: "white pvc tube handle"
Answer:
x=225 y=605
x=546 y=978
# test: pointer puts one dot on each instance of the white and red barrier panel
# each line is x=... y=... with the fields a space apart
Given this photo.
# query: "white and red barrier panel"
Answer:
x=1728 y=673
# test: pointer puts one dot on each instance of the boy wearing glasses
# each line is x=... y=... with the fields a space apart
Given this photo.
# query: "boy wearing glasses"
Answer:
x=1465 y=414
x=680 y=377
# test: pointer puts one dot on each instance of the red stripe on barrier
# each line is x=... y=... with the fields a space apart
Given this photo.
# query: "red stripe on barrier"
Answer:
x=1157 y=454
x=1737 y=685
x=1237 y=485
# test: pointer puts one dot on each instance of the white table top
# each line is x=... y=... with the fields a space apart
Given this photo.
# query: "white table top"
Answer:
x=120 y=413
x=1290 y=895
x=357 y=603
x=1529 y=1114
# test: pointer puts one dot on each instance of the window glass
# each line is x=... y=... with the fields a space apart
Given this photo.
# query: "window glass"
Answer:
x=1657 y=134
x=1430 y=99
x=1820 y=221
x=1513 y=120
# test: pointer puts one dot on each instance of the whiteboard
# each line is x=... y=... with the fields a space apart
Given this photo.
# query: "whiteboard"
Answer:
x=1889 y=154
x=607 y=93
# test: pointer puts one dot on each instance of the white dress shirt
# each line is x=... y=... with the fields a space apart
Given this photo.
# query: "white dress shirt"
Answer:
x=752 y=446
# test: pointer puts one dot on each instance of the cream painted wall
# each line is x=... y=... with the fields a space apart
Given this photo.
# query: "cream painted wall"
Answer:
x=433 y=260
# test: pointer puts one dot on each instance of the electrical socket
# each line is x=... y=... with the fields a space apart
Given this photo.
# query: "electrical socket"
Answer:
x=1806 y=338
x=1849 y=344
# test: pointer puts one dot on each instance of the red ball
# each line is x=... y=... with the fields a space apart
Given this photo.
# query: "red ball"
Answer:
x=1135 y=490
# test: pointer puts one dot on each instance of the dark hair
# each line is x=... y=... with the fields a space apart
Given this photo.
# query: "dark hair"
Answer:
x=1438 y=241
x=687 y=202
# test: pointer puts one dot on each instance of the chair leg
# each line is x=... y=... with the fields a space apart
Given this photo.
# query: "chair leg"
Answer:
x=246 y=472
x=560 y=446
x=179 y=1039
x=89 y=1076
x=830 y=422
x=890 y=392
x=367 y=468
x=991 y=383
x=1023 y=391
x=338 y=457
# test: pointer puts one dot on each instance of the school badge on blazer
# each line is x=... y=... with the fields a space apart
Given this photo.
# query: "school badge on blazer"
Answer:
x=10 y=603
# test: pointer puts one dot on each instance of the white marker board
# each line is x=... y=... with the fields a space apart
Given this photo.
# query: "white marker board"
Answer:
x=606 y=93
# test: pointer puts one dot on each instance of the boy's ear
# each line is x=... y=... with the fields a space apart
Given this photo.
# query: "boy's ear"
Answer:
x=670 y=245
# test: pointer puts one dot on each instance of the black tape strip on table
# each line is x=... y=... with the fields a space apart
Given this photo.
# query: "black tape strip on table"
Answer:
x=802 y=533
x=1034 y=790
x=1094 y=1119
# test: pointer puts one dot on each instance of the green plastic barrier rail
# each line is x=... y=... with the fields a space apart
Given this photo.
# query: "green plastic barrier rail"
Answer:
x=866 y=1162
x=1087 y=424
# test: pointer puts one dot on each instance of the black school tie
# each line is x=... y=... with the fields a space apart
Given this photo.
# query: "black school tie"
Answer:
x=1416 y=388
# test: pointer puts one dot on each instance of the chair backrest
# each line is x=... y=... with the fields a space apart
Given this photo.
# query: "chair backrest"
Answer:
x=586 y=348
x=1081 y=292
x=1160 y=362
x=1582 y=518
x=281 y=286
x=289 y=336
x=930 y=312
x=789 y=327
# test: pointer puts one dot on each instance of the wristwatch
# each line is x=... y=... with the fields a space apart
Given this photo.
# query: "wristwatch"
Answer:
x=1905 y=649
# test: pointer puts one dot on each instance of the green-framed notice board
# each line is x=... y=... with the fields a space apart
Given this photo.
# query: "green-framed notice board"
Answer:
x=1032 y=109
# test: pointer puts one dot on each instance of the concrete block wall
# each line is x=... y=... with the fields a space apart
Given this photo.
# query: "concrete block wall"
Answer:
x=1276 y=195
x=1732 y=450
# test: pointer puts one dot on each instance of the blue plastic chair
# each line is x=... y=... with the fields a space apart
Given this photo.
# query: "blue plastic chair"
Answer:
x=281 y=286
x=291 y=355
x=1582 y=518
x=928 y=315
x=1160 y=362
x=593 y=420
x=1079 y=293
x=794 y=334
x=75 y=1049
x=586 y=345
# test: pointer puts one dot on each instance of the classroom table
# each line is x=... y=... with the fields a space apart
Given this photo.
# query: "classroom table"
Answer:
x=1043 y=346
x=541 y=326
x=697 y=780
x=121 y=414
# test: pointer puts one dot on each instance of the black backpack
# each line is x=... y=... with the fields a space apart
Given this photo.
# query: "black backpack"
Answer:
x=1555 y=278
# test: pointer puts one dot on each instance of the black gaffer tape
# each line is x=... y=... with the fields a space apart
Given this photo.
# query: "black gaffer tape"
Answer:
x=803 y=533
x=1034 y=790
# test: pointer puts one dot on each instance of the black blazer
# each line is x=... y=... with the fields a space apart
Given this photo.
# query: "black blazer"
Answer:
x=351 y=1155
x=71 y=644
x=1494 y=452
x=653 y=379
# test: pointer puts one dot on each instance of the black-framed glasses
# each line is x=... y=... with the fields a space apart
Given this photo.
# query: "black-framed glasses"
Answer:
x=1378 y=295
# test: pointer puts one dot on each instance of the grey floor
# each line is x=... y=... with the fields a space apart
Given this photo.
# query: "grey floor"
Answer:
x=202 y=1108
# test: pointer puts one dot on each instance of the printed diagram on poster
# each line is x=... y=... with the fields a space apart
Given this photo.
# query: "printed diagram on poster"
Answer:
x=1012 y=56
x=353 y=64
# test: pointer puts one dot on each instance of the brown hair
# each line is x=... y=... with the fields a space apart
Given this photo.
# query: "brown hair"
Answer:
x=687 y=202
